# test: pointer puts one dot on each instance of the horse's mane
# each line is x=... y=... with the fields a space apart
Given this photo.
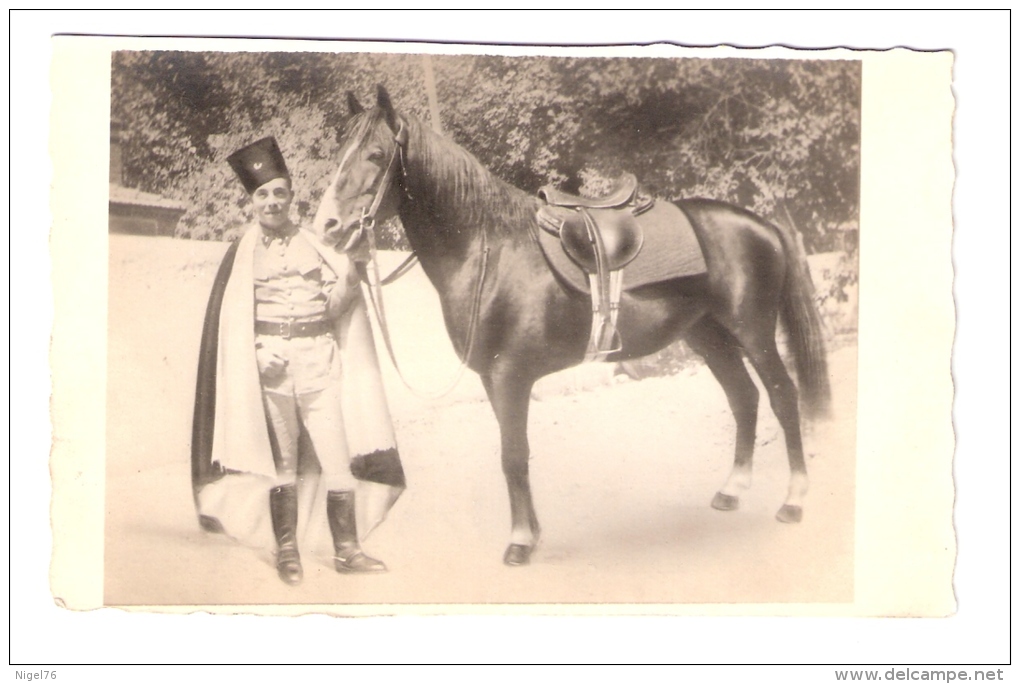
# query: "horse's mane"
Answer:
x=448 y=181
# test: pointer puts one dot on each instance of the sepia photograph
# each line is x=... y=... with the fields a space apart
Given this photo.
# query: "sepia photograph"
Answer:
x=659 y=382
x=405 y=329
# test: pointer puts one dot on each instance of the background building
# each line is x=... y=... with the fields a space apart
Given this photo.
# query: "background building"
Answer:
x=132 y=211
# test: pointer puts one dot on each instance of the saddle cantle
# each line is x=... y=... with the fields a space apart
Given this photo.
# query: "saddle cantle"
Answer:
x=602 y=236
x=622 y=193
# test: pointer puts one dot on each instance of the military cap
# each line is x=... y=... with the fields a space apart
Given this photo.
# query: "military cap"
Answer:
x=258 y=163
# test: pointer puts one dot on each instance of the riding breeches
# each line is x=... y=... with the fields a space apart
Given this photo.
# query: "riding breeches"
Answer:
x=307 y=393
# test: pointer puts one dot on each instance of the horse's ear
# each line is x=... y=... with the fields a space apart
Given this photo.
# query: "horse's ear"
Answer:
x=353 y=104
x=384 y=103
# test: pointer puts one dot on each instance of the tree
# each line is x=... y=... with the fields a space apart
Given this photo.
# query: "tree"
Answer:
x=776 y=136
x=758 y=133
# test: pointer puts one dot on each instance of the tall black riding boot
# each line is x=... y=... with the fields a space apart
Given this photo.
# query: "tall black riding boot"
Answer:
x=348 y=556
x=283 y=510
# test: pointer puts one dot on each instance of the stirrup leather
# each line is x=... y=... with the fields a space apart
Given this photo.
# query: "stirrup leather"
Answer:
x=606 y=290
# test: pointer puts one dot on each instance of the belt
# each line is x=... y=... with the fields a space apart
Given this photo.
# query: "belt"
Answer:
x=293 y=328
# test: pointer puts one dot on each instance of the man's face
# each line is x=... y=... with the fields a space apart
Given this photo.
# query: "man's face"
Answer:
x=272 y=203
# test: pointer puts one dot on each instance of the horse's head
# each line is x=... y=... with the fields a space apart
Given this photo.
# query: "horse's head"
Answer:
x=364 y=187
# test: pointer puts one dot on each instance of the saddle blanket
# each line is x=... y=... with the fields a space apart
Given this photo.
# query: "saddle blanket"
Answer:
x=670 y=250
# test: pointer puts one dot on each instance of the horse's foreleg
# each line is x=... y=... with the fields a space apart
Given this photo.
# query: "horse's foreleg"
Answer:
x=723 y=357
x=509 y=396
x=783 y=397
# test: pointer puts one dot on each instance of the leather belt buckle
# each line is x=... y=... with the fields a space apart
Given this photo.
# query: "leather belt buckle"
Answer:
x=286 y=329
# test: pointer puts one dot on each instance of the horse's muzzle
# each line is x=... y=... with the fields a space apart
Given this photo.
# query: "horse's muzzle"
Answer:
x=344 y=237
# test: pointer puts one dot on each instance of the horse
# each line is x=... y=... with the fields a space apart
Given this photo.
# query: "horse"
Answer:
x=512 y=321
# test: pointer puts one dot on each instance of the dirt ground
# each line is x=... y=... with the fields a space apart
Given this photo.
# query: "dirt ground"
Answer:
x=623 y=472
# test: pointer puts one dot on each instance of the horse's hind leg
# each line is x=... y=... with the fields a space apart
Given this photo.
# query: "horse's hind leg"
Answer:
x=723 y=356
x=764 y=356
x=509 y=396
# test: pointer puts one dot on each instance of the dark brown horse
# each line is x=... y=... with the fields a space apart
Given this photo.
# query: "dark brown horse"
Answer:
x=525 y=324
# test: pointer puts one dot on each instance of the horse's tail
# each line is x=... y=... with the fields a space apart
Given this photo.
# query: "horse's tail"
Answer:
x=804 y=328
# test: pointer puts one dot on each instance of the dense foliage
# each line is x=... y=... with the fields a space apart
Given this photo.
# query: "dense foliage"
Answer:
x=781 y=137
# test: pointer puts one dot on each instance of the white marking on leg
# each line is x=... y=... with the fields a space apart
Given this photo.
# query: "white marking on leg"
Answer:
x=739 y=480
x=522 y=536
x=798 y=489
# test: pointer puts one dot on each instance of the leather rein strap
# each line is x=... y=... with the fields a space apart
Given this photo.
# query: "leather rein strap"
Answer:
x=370 y=272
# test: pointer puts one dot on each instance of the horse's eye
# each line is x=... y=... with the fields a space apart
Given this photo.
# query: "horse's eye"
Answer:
x=375 y=155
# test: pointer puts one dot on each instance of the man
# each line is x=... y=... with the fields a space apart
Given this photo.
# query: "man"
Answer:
x=289 y=393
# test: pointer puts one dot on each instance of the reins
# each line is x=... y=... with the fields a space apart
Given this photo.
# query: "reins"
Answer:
x=375 y=283
x=405 y=266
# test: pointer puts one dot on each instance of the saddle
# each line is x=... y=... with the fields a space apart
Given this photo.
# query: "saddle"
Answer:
x=602 y=236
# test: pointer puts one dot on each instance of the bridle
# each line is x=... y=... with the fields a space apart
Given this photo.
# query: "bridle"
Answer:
x=370 y=271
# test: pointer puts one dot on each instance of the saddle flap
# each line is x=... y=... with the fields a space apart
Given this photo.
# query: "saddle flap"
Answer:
x=621 y=238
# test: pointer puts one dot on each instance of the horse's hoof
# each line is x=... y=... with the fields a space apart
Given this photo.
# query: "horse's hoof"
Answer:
x=790 y=514
x=725 y=502
x=517 y=554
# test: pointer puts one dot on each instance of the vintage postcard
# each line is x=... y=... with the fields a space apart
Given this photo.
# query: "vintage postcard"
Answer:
x=652 y=351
